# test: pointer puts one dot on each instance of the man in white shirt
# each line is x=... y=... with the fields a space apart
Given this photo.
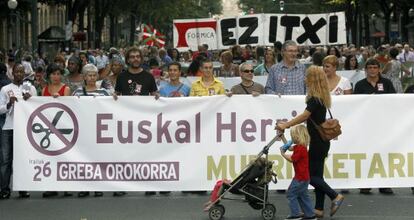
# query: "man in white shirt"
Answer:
x=406 y=55
x=9 y=95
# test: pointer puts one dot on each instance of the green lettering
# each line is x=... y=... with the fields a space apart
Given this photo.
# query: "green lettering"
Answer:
x=396 y=162
x=220 y=171
x=357 y=158
x=339 y=165
x=377 y=167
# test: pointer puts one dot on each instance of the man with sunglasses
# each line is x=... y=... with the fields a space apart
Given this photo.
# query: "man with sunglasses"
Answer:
x=247 y=85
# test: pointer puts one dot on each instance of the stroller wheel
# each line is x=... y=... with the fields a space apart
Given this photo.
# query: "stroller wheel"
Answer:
x=269 y=212
x=216 y=212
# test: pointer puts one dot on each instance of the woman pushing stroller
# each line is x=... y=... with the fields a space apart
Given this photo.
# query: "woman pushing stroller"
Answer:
x=318 y=100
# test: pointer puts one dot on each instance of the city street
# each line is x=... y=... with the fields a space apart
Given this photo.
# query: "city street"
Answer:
x=189 y=206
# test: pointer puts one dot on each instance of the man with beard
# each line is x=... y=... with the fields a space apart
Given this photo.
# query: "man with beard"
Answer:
x=135 y=80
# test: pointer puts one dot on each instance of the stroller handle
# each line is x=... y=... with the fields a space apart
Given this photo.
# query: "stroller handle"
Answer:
x=266 y=148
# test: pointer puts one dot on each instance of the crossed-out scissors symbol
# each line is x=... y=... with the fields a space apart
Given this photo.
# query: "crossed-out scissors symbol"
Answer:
x=38 y=128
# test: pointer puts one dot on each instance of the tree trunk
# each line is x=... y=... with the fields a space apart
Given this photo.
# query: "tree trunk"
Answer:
x=367 y=30
x=132 y=30
x=112 y=31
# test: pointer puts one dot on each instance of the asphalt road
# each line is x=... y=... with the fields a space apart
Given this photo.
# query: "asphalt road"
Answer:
x=398 y=206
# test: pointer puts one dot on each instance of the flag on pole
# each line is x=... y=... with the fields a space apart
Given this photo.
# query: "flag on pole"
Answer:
x=152 y=37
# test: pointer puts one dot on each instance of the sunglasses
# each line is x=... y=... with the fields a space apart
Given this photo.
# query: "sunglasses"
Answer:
x=248 y=71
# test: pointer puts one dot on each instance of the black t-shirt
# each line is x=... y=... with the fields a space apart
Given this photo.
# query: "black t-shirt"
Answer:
x=318 y=149
x=383 y=86
x=410 y=89
x=142 y=83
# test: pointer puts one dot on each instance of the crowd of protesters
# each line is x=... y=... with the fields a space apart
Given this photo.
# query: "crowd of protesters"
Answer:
x=157 y=71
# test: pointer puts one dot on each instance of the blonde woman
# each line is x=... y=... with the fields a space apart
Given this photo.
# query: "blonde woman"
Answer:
x=318 y=100
x=337 y=85
x=228 y=68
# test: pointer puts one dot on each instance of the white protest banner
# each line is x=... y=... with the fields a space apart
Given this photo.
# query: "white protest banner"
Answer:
x=352 y=75
x=143 y=144
x=260 y=29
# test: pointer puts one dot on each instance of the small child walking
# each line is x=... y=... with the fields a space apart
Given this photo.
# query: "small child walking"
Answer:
x=297 y=193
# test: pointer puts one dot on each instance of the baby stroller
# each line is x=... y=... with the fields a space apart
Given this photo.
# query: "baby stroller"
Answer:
x=252 y=183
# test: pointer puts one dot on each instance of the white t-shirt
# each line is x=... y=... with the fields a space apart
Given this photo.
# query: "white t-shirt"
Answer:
x=13 y=90
x=343 y=84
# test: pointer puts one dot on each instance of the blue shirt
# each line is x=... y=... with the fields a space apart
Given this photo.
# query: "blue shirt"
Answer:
x=168 y=90
x=285 y=81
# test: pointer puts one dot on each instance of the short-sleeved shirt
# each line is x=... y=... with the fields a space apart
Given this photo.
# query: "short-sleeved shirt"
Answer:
x=142 y=83
x=98 y=92
x=342 y=85
x=286 y=81
x=383 y=86
x=168 y=90
x=410 y=89
x=300 y=162
x=318 y=148
x=198 y=88
x=241 y=89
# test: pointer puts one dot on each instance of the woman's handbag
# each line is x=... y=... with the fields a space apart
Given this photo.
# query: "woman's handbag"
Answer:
x=329 y=129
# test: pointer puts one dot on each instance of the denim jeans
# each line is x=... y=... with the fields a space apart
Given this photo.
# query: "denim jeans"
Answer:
x=6 y=160
x=318 y=182
x=298 y=197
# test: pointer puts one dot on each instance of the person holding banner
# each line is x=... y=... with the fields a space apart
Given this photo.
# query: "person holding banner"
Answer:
x=247 y=85
x=374 y=84
x=174 y=88
x=287 y=77
x=135 y=80
x=207 y=85
x=9 y=95
x=318 y=100
x=55 y=88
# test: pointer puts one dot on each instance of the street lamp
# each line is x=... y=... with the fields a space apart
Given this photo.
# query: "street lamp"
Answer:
x=411 y=12
x=12 y=4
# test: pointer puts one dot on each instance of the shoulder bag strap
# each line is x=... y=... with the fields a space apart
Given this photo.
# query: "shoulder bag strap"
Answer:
x=245 y=90
x=177 y=90
x=314 y=123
